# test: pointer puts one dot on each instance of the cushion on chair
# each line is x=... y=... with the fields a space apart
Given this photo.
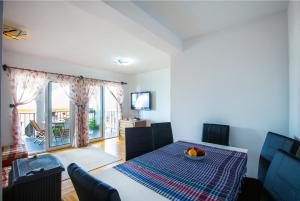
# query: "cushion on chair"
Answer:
x=283 y=177
x=89 y=188
x=272 y=143
x=13 y=152
x=215 y=133
x=162 y=134
x=138 y=141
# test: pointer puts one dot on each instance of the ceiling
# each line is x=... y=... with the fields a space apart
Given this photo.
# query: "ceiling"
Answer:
x=194 y=18
x=83 y=34
x=62 y=31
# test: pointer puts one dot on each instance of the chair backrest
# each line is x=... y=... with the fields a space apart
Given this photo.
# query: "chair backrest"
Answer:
x=283 y=178
x=35 y=125
x=272 y=143
x=162 y=134
x=89 y=188
x=216 y=133
x=138 y=141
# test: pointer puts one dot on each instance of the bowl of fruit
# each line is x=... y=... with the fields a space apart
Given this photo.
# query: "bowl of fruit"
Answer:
x=195 y=153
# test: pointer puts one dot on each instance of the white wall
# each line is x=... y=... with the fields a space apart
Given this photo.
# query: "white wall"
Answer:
x=294 y=53
x=50 y=65
x=158 y=82
x=238 y=76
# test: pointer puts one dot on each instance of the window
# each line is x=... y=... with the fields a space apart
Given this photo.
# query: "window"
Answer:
x=59 y=122
x=96 y=114
x=111 y=115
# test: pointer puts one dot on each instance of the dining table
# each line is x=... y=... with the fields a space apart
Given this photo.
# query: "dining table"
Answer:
x=167 y=174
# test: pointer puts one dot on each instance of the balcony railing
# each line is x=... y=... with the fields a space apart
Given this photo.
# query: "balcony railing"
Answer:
x=25 y=119
x=111 y=120
x=110 y=117
x=60 y=116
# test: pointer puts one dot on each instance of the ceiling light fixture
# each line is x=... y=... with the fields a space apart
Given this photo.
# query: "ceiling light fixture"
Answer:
x=13 y=33
x=123 y=61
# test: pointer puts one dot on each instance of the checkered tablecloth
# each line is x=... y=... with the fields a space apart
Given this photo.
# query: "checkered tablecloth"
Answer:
x=13 y=152
x=5 y=174
x=168 y=172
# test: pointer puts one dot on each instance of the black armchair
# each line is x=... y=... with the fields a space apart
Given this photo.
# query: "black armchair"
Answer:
x=272 y=143
x=282 y=181
x=89 y=188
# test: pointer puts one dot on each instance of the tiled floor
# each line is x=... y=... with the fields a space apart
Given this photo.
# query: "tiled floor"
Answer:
x=33 y=147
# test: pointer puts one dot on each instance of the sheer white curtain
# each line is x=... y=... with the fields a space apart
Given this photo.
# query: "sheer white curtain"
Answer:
x=117 y=92
x=26 y=86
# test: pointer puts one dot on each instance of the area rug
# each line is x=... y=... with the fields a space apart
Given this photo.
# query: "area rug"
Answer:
x=88 y=158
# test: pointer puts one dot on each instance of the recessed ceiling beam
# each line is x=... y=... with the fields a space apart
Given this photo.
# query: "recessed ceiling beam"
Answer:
x=135 y=21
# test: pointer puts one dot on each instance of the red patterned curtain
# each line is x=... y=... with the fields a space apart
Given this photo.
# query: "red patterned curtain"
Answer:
x=80 y=91
x=26 y=85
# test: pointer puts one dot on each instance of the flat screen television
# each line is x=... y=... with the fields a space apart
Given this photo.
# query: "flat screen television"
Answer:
x=141 y=100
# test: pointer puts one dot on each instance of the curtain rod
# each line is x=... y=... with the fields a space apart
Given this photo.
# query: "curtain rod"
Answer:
x=6 y=66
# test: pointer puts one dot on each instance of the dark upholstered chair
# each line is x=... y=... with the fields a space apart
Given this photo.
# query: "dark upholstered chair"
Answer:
x=162 y=134
x=283 y=177
x=138 y=141
x=282 y=182
x=215 y=133
x=89 y=188
x=272 y=143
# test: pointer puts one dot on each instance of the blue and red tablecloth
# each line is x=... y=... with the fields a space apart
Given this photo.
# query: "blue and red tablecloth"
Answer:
x=168 y=172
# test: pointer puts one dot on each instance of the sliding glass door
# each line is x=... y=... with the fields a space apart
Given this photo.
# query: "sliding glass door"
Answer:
x=59 y=123
x=48 y=122
x=95 y=118
x=111 y=115
x=32 y=124
x=103 y=116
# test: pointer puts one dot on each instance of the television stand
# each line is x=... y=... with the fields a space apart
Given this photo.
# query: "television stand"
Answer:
x=131 y=124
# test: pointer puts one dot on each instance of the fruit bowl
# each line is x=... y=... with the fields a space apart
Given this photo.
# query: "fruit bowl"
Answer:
x=194 y=153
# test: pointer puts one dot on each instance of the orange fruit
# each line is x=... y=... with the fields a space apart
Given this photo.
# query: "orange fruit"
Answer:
x=192 y=152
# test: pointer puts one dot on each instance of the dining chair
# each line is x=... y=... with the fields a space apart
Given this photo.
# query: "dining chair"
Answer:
x=283 y=177
x=89 y=188
x=162 y=134
x=138 y=141
x=272 y=143
x=282 y=182
x=216 y=133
